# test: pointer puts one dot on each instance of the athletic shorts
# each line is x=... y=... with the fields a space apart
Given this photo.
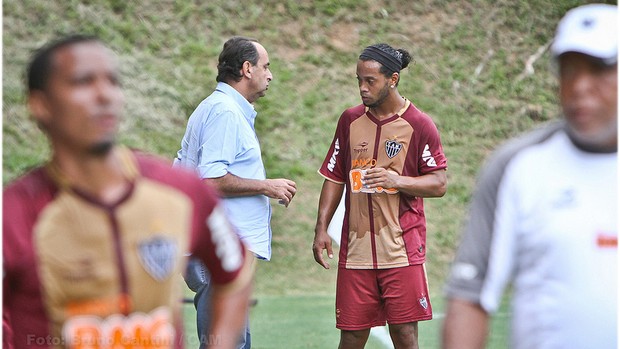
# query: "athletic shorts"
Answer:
x=367 y=298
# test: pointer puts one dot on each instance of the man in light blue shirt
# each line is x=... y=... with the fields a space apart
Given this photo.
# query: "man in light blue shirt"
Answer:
x=220 y=143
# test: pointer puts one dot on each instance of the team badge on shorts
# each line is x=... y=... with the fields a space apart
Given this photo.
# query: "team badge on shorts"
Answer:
x=423 y=302
x=158 y=256
x=392 y=147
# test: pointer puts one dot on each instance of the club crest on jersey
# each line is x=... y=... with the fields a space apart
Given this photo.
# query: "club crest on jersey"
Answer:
x=158 y=256
x=392 y=147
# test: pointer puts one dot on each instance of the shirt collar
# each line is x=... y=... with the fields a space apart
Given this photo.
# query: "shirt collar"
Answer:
x=246 y=107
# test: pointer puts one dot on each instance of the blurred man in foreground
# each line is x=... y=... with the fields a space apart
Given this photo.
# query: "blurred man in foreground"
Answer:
x=544 y=216
x=93 y=241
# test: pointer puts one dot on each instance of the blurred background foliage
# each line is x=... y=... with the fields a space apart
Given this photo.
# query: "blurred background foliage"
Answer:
x=481 y=69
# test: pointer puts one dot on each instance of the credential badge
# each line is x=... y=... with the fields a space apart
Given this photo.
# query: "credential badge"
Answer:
x=158 y=256
x=392 y=147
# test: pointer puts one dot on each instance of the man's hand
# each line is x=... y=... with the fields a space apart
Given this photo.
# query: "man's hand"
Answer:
x=430 y=185
x=380 y=177
x=282 y=189
x=230 y=185
x=322 y=241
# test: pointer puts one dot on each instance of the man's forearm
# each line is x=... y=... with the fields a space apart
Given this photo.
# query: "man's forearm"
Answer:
x=229 y=316
x=230 y=185
x=466 y=326
x=430 y=185
x=331 y=194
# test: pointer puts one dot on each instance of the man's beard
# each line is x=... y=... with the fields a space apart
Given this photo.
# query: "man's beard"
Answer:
x=102 y=148
x=383 y=95
x=604 y=140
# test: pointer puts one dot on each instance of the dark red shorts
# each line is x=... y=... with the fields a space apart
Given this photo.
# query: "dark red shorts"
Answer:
x=369 y=297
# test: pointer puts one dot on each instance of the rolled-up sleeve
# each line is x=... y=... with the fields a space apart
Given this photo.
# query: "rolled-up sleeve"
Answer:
x=218 y=148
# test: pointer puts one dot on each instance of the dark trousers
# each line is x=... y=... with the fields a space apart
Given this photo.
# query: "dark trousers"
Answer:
x=198 y=279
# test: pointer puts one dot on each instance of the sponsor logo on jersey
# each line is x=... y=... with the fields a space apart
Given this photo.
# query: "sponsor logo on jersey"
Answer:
x=138 y=330
x=607 y=240
x=158 y=256
x=365 y=162
x=361 y=148
x=392 y=147
x=101 y=307
x=83 y=269
x=356 y=178
x=428 y=157
x=564 y=198
x=332 y=160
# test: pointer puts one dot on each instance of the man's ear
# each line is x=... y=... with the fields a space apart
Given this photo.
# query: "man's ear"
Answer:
x=246 y=69
x=394 y=78
x=39 y=107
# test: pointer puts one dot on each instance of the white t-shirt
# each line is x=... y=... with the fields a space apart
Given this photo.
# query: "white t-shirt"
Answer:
x=544 y=219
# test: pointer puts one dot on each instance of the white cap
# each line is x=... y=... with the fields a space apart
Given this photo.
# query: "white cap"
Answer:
x=591 y=30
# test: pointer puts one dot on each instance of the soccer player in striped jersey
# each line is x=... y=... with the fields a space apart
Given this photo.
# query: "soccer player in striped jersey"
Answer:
x=388 y=156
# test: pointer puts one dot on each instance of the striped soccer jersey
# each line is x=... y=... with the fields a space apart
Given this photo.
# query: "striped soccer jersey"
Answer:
x=382 y=228
x=80 y=273
x=544 y=219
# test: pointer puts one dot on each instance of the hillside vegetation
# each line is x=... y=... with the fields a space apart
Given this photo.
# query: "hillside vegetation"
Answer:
x=482 y=71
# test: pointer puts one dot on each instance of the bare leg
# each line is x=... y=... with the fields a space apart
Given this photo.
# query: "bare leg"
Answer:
x=405 y=336
x=353 y=339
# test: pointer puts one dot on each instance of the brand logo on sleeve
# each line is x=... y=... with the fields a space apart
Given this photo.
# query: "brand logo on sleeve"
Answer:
x=332 y=160
x=428 y=157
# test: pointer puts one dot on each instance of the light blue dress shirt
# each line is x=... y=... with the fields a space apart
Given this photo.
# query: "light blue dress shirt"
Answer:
x=219 y=139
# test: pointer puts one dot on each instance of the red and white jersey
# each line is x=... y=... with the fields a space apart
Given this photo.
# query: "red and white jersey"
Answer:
x=81 y=273
x=382 y=228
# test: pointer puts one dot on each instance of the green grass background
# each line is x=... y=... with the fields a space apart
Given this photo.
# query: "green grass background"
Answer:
x=307 y=321
x=469 y=73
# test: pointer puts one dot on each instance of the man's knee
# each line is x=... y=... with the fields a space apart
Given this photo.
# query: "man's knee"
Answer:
x=353 y=339
x=404 y=335
x=410 y=327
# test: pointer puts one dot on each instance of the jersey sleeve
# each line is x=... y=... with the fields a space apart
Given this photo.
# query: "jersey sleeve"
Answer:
x=334 y=164
x=216 y=243
x=7 y=331
x=7 y=272
x=23 y=313
x=432 y=156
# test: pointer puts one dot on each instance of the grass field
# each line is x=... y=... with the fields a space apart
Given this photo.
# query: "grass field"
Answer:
x=307 y=321
x=481 y=71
